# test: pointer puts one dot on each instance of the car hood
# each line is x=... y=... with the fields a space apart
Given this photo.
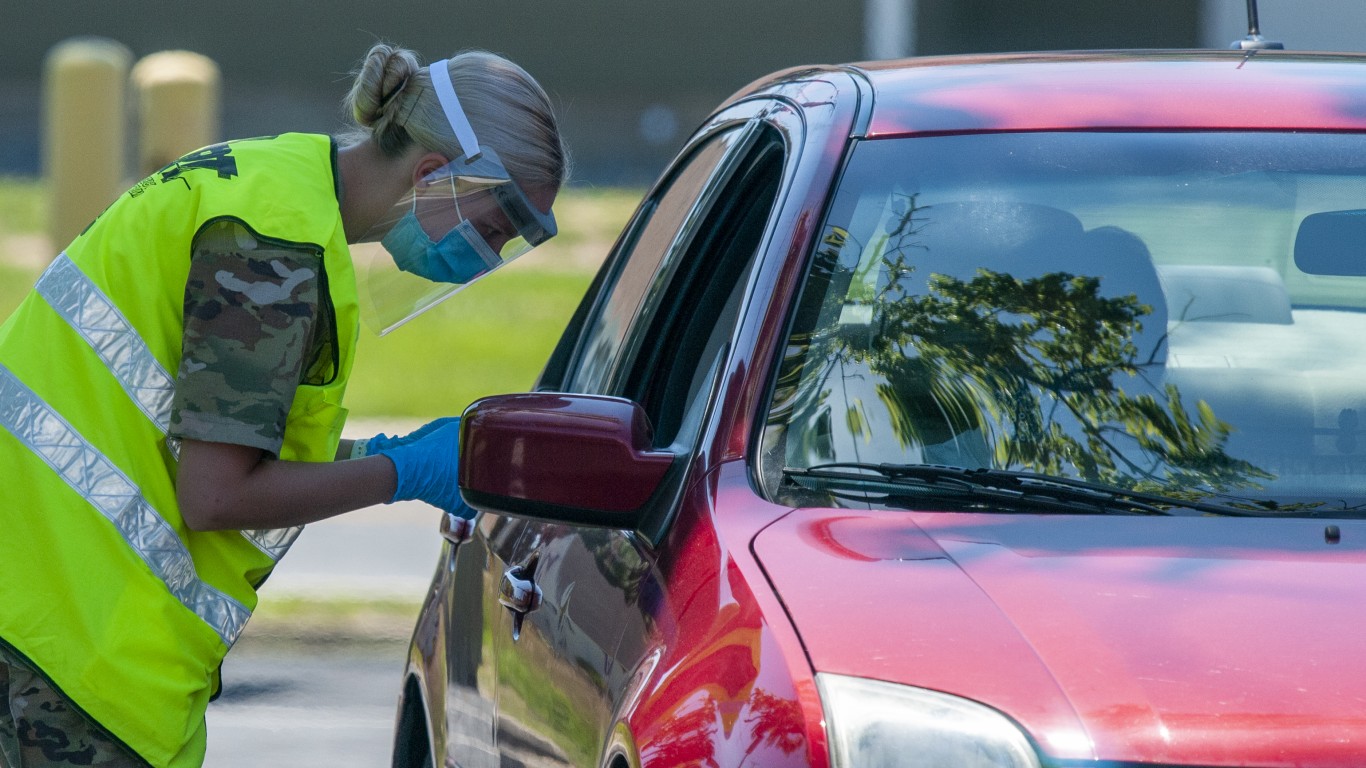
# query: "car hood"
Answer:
x=1171 y=640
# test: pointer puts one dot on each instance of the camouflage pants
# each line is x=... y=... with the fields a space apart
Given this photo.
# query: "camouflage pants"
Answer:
x=38 y=728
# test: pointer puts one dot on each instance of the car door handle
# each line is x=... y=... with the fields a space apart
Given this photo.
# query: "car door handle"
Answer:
x=519 y=593
x=456 y=529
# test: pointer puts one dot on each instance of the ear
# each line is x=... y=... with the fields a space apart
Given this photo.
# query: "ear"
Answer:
x=426 y=164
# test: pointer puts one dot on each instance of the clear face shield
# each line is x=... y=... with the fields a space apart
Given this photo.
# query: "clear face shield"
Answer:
x=459 y=223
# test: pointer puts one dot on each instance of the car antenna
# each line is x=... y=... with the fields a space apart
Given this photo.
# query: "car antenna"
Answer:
x=1254 y=40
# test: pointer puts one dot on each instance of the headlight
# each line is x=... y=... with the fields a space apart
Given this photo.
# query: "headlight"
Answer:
x=873 y=724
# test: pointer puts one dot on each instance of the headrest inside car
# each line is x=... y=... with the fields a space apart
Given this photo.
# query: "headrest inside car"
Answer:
x=1202 y=293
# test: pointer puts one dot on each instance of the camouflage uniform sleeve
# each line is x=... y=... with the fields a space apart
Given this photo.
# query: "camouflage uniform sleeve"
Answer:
x=250 y=308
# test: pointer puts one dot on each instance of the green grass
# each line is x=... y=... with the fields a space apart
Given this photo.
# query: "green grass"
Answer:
x=331 y=620
x=492 y=337
x=23 y=206
x=15 y=281
x=23 y=246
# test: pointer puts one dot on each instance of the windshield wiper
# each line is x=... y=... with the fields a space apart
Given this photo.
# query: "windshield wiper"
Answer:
x=997 y=487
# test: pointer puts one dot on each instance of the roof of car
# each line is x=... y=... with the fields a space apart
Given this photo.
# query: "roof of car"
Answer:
x=1116 y=90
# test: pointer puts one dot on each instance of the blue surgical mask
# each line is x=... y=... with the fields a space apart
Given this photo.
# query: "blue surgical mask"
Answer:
x=459 y=257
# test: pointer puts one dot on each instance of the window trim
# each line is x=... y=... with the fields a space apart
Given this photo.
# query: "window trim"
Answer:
x=570 y=353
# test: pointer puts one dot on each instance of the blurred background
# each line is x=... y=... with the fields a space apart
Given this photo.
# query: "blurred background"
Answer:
x=630 y=80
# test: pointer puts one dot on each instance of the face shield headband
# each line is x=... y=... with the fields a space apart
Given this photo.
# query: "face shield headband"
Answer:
x=461 y=222
x=481 y=166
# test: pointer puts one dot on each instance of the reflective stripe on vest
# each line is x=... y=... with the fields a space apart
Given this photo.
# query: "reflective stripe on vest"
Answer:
x=92 y=315
x=81 y=304
x=106 y=488
x=97 y=593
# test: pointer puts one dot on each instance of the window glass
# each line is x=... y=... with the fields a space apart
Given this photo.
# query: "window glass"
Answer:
x=646 y=264
x=682 y=336
x=1178 y=313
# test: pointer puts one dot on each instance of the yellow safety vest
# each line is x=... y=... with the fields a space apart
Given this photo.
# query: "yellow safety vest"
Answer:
x=123 y=608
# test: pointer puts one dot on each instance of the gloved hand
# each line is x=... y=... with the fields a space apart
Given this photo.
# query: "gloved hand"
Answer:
x=382 y=441
x=426 y=468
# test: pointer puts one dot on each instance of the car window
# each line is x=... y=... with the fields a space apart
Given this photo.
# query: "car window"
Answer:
x=646 y=263
x=688 y=318
x=1170 y=312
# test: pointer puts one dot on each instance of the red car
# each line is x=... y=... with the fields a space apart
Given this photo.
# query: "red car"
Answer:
x=968 y=411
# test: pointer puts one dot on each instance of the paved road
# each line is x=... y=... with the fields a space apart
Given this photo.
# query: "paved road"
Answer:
x=305 y=707
x=326 y=703
x=378 y=552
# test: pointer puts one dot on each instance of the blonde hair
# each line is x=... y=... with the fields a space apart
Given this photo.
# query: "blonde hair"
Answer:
x=393 y=104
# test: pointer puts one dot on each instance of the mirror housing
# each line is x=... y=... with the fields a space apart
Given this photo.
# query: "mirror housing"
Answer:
x=1332 y=243
x=575 y=459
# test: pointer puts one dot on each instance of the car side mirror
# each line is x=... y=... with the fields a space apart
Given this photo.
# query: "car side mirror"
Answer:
x=1332 y=243
x=576 y=459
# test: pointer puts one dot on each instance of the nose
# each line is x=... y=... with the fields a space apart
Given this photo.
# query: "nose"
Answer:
x=496 y=241
x=494 y=233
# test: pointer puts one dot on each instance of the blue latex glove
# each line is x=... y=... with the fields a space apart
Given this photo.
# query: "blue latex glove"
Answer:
x=382 y=442
x=426 y=468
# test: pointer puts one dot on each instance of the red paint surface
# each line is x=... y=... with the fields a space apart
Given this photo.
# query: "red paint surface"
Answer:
x=1214 y=90
x=1175 y=640
x=1185 y=641
x=582 y=451
x=1191 y=641
x=732 y=685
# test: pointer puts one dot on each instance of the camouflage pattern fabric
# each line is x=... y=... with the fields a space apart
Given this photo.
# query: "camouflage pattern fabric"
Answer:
x=253 y=332
x=39 y=728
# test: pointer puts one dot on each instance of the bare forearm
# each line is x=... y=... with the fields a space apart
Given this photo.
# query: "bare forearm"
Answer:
x=232 y=487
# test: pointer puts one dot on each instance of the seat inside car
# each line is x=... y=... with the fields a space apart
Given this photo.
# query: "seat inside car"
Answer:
x=944 y=405
x=1028 y=240
x=1227 y=294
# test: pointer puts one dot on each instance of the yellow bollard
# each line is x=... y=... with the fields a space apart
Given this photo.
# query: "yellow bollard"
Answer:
x=84 y=82
x=177 y=94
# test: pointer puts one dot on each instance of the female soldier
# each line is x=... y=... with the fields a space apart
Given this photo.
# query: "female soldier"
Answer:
x=170 y=392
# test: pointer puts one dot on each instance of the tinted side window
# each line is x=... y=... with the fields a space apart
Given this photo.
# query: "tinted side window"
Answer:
x=681 y=341
x=648 y=262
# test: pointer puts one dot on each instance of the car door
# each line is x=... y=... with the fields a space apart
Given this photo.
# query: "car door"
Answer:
x=472 y=614
x=657 y=334
x=496 y=694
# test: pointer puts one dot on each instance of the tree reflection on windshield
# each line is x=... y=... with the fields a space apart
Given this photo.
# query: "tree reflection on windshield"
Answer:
x=1038 y=371
x=1050 y=358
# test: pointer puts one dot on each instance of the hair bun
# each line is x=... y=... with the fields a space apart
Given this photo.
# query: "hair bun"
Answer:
x=383 y=76
x=396 y=108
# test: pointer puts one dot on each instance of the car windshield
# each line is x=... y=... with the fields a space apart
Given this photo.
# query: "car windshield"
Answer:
x=1181 y=314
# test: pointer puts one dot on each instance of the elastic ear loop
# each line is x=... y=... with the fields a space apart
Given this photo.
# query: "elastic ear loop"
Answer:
x=455 y=115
